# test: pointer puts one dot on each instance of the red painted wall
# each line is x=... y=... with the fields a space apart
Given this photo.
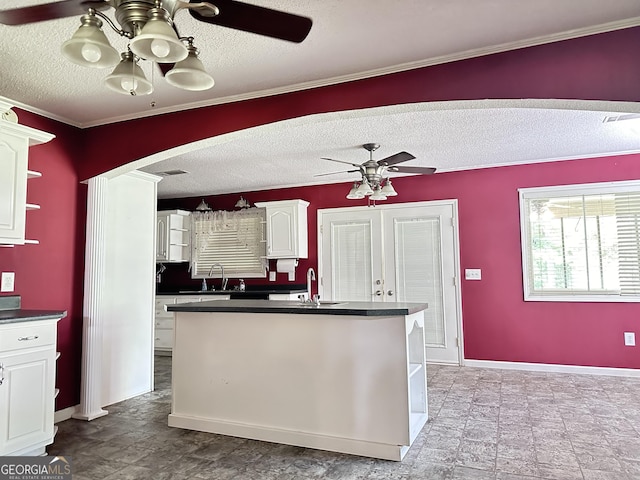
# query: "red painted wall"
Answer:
x=598 y=67
x=49 y=275
x=498 y=324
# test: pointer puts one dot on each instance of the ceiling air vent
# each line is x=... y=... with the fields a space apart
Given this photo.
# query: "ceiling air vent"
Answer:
x=618 y=118
x=170 y=173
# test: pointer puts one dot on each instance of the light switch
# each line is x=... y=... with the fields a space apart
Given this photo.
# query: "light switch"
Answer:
x=8 y=279
x=472 y=274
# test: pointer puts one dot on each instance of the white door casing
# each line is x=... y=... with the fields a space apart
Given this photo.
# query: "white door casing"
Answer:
x=399 y=252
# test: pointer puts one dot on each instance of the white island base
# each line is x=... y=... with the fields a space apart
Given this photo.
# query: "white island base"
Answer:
x=345 y=383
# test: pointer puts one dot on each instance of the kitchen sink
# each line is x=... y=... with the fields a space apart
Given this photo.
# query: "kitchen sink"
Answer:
x=322 y=304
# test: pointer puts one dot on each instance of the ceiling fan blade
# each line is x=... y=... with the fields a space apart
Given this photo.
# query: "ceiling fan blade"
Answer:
x=259 y=20
x=49 y=11
x=346 y=163
x=420 y=170
x=335 y=173
x=397 y=158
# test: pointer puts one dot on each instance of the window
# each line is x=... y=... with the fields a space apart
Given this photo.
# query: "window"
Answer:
x=233 y=239
x=581 y=243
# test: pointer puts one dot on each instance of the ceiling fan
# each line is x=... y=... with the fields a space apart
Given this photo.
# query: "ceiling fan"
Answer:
x=148 y=24
x=375 y=173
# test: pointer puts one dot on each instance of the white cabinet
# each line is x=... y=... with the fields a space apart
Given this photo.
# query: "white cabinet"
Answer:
x=14 y=148
x=172 y=236
x=27 y=386
x=286 y=228
x=163 y=335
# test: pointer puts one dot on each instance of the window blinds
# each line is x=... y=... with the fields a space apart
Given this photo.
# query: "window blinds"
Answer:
x=583 y=240
x=627 y=207
x=236 y=240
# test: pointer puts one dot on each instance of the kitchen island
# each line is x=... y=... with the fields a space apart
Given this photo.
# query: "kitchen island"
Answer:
x=341 y=376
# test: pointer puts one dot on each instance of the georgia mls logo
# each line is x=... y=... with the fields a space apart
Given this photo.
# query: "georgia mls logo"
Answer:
x=35 y=468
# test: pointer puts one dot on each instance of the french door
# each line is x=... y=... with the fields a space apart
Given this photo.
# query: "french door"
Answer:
x=396 y=253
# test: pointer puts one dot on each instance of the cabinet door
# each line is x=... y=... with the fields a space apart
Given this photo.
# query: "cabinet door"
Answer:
x=162 y=238
x=13 y=187
x=26 y=400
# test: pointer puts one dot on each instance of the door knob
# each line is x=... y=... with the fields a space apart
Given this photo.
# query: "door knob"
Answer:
x=378 y=292
x=390 y=293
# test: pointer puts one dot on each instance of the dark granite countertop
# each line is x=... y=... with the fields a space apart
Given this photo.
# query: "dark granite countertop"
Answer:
x=11 y=311
x=371 y=309
x=15 y=316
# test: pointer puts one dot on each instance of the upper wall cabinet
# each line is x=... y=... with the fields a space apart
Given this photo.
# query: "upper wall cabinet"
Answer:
x=15 y=141
x=286 y=228
x=172 y=236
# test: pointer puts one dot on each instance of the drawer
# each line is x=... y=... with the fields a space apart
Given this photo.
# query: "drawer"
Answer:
x=188 y=299
x=164 y=323
x=26 y=335
x=163 y=339
x=162 y=301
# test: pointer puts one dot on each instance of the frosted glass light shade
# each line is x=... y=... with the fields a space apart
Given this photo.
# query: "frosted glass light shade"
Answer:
x=89 y=46
x=128 y=78
x=377 y=194
x=354 y=194
x=189 y=74
x=388 y=189
x=158 y=40
x=364 y=189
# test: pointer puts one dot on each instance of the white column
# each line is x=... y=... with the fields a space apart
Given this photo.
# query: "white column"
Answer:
x=95 y=262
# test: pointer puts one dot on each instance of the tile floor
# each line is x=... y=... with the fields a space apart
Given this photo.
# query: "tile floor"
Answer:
x=484 y=424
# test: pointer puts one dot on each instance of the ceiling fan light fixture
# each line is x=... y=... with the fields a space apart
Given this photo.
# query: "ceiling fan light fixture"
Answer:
x=158 y=41
x=189 y=74
x=128 y=78
x=388 y=189
x=203 y=206
x=377 y=194
x=354 y=194
x=89 y=46
x=364 y=189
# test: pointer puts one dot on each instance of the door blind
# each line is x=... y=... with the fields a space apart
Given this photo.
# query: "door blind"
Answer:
x=419 y=271
x=236 y=240
x=351 y=261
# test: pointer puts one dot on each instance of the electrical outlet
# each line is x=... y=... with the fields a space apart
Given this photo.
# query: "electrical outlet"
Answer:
x=8 y=279
x=272 y=276
x=630 y=339
x=472 y=274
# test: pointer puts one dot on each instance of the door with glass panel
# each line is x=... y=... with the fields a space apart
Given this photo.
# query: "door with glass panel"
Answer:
x=396 y=253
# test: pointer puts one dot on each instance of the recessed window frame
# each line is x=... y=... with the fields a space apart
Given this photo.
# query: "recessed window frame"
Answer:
x=527 y=194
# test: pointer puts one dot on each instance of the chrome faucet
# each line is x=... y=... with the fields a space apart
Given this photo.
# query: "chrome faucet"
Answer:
x=224 y=279
x=311 y=275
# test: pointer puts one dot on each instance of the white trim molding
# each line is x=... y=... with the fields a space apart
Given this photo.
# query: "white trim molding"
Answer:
x=65 y=414
x=95 y=263
x=554 y=368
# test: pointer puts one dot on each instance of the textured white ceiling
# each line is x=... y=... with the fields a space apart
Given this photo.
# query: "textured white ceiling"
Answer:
x=449 y=136
x=349 y=39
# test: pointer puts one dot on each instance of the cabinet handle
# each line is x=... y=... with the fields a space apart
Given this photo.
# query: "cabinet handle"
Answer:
x=32 y=337
x=1 y=373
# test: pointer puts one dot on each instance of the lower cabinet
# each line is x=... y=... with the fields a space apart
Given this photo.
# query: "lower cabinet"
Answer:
x=27 y=387
x=163 y=335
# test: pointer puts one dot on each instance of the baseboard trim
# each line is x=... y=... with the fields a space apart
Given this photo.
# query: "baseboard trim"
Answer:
x=65 y=414
x=291 y=437
x=554 y=368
